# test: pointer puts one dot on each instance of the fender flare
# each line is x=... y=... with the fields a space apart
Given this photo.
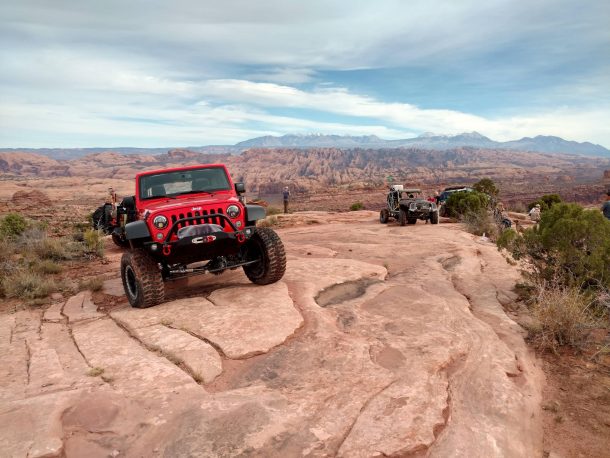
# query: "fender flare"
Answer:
x=136 y=230
x=254 y=213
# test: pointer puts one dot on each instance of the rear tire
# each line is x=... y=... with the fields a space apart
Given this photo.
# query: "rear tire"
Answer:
x=412 y=221
x=384 y=216
x=267 y=246
x=119 y=241
x=434 y=217
x=403 y=217
x=142 y=280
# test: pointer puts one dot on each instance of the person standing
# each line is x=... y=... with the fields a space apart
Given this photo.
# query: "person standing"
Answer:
x=606 y=206
x=286 y=195
x=535 y=213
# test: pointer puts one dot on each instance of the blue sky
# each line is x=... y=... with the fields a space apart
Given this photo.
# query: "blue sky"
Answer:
x=195 y=72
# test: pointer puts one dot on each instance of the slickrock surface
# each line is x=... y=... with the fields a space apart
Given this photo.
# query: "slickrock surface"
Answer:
x=379 y=341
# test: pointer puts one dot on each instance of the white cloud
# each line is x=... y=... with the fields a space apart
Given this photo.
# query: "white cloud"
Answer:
x=583 y=125
x=109 y=71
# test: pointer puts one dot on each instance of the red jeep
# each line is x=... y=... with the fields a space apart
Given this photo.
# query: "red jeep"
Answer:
x=187 y=221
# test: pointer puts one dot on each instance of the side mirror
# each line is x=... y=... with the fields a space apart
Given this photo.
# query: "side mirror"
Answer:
x=240 y=188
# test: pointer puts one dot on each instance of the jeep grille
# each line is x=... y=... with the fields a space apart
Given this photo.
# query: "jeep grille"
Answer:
x=205 y=219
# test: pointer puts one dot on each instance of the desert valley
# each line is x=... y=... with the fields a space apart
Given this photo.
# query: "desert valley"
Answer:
x=369 y=346
x=311 y=229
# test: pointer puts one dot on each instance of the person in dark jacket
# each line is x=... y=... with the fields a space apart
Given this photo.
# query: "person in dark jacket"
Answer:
x=606 y=206
x=286 y=195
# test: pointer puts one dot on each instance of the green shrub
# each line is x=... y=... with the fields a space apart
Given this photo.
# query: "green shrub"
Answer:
x=570 y=246
x=25 y=284
x=463 y=202
x=486 y=186
x=545 y=202
x=94 y=242
x=356 y=206
x=12 y=225
x=507 y=239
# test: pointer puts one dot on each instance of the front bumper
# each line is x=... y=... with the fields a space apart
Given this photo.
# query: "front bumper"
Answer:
x=198 y=242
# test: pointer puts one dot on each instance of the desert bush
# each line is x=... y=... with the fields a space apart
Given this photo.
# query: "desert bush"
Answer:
x=486 y=186
x=356 y=206
x=570 y=246
x=51 y=248
x=507 y=239
x=269 y=221
x=545 y=202
x=481 y=223
x=94 y=242
x=518 y=207
x=273 y=211
x=47 y=266
x=25 y=284
x=12 y=225
x=563 y=316
x=92 y=284
x=461 y=203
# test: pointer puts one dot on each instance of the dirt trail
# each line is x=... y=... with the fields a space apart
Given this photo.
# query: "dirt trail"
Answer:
x=406 y=353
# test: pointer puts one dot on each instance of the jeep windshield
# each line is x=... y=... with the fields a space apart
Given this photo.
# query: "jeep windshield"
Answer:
x=171 y=184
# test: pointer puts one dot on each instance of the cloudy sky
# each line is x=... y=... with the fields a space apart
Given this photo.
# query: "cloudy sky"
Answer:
x=83 y=73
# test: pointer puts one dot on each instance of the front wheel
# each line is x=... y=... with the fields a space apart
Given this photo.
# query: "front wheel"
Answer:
x=434 y=217
x=266 y=247
x=142 y=280
x=384 y=216
x=403 y=217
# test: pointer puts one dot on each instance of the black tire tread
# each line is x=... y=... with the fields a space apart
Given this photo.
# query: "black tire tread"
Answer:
x=275 y=257
x=384 y=216
x=403 y=217
x=118 y=241
x=148 y=277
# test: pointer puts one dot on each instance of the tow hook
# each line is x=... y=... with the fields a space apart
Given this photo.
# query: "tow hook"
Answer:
x=241 y=238
x=167 y=249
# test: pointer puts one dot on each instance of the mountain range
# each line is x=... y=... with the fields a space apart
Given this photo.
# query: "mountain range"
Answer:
x=540 y=144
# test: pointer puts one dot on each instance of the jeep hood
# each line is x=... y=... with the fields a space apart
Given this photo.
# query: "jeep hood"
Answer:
x=188 y=202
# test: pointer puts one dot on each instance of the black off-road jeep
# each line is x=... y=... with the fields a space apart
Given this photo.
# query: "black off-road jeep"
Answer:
x=407 y=206
x=187 y=221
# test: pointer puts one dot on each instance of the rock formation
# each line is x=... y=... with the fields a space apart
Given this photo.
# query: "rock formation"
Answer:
x=380 y=340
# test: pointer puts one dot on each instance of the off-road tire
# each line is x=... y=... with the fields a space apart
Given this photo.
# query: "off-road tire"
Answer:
x=101 y=218
x=403 y=217
x=118 y=241
x=384 y=216
x=142 y=280
x=411 y=220
x=267 y=246
x=434 y=217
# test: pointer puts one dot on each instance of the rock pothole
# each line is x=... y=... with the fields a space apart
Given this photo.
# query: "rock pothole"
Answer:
x=343 y=292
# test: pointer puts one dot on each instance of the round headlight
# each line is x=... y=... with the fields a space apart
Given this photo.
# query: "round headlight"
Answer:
x=160 y=222
x=233 y=211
